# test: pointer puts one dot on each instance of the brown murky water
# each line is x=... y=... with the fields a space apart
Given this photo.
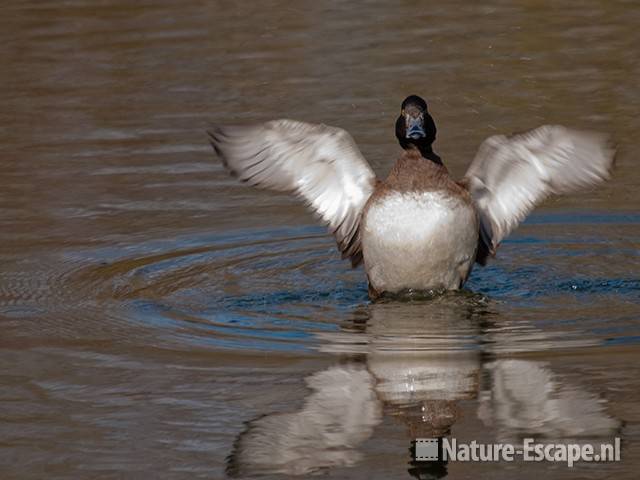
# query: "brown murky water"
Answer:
x=159 y=321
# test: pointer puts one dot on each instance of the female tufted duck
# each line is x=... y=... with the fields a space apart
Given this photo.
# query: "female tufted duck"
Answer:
x=417 y=230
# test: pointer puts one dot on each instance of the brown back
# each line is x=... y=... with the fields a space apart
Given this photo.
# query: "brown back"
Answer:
x=414 y=173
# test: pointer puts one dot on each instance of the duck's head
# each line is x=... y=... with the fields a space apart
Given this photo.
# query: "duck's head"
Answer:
x=415 y=128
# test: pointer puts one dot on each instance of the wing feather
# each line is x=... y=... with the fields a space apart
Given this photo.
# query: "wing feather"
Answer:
x=318 y=163
x=510 y=175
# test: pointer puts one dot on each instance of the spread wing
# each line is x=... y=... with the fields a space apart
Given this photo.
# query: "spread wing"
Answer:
x=319 y=163
x=511 y=175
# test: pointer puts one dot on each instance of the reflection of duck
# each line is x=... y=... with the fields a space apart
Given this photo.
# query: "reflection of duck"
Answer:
x=414 y=357
x=418 y=363
x=339 y=414
x=424 y=357
x=414 y=362
x=524 y=399
x=418 y=229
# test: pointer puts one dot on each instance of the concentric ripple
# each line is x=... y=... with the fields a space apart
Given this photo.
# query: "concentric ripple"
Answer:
x=286 y=290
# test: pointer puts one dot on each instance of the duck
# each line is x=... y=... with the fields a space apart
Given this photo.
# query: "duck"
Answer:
x=418 y=229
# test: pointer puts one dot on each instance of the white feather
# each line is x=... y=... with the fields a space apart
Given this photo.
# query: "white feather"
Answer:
x=511 y=175
x=419 y=240
x=319 y=163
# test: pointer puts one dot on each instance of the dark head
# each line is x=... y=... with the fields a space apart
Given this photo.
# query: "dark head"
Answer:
x=415 y=128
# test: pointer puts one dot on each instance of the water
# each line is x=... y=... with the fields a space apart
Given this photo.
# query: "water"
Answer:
x=160 y=321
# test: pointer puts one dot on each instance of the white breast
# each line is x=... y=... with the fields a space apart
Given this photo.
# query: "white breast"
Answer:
x=419 y=240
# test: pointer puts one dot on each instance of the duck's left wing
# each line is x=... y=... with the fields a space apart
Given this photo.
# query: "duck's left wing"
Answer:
x=319 y=163
x=510 y=175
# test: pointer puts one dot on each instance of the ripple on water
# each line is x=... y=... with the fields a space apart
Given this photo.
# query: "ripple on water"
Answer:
x=286 y=290
x=266 y=290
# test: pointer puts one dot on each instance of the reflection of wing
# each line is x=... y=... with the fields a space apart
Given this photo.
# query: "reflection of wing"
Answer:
x=511 y=175
x=319 y=163
x=338 y=415
x=525 y=399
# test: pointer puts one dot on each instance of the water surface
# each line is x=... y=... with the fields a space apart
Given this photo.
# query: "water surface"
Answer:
x=160 y=321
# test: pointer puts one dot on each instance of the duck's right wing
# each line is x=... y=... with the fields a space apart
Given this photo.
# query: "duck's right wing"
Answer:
x=319 y=163
x=510 y=175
